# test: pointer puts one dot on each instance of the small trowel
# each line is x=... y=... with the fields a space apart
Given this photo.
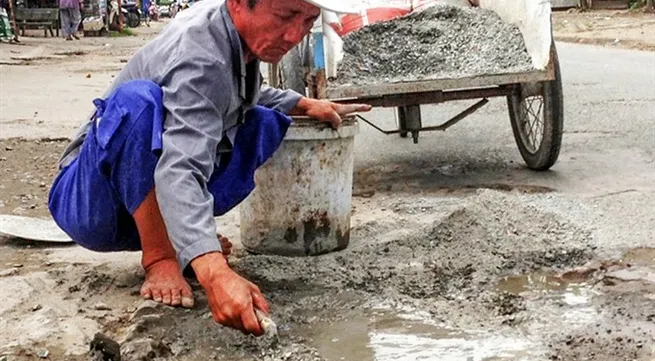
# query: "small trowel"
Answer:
x=268 y=325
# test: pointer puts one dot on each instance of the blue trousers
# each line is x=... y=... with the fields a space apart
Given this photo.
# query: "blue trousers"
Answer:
x=93 y=198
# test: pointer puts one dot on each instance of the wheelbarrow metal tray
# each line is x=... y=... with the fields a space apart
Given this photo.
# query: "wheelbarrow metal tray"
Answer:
x=533 y=18
x=343 y=92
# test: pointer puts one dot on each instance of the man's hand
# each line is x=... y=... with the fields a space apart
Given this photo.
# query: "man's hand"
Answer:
x=232 y=298
x=327 y=111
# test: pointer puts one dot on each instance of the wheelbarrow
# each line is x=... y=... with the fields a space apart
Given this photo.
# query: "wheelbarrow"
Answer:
x=534 y=98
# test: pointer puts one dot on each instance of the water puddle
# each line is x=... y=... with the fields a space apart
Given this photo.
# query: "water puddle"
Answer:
x=548 y=286
x=555 y=302
x=383 y=335
x=572 y=296
x=639 y=266
x=644 y=256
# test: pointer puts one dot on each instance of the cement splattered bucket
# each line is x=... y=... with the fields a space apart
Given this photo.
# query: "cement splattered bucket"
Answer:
x=302 y=201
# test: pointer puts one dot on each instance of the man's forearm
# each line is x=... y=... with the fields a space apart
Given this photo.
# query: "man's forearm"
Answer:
x=281 y=100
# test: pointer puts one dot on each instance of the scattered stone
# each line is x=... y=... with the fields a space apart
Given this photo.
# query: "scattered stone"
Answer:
x=102 y=307
x=508 y=304
x=9 y=148
x=104 y=349
x=17 y=265
x=147 y=308
x=145 y=349
x=37 y=307
x=442 y=41
x=8 y=272
x=43 y=353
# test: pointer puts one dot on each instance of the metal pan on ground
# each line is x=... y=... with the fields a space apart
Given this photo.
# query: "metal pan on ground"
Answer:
x=32 y=229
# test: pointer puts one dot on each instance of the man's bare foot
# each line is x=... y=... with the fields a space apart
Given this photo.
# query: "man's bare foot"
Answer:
x=164 y=283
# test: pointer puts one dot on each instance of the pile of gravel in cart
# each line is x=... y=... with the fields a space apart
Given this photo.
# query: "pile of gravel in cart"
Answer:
x=442 y=41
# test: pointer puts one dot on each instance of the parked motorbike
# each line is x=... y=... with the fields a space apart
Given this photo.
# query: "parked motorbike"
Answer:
x=131 y=15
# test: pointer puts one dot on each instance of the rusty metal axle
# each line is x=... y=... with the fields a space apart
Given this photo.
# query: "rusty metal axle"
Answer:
x=442 y=127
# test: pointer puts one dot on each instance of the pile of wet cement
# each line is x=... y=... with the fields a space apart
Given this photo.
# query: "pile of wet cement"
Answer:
x=493 y=234
x=442 y=41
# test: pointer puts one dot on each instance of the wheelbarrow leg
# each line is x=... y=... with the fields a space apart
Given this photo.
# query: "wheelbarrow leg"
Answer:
x=409 y=120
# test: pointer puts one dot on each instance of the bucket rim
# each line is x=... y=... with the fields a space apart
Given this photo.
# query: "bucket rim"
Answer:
x=308 y=128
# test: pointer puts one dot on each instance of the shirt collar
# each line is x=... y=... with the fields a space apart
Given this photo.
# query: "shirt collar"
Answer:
x=238 y=57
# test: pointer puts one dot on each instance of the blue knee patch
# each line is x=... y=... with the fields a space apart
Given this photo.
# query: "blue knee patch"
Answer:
x=255 y=142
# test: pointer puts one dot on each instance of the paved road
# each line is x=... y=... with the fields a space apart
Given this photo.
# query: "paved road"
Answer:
x=608 y=145
x=606 y=163
x=605 y=177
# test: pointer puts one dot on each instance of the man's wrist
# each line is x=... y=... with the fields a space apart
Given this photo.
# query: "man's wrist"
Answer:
x=301 y=107
x=207 y=265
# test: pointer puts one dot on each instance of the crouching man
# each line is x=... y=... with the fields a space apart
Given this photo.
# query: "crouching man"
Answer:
x=176 y=142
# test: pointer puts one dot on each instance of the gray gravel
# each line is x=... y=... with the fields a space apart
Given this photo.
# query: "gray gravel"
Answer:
x=442 y=41
x=453 y=258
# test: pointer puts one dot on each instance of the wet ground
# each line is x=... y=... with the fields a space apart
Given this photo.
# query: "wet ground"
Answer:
x=456 y=275
x=458 y=252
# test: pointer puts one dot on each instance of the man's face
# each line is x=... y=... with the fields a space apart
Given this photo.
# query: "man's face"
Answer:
x=273 y=27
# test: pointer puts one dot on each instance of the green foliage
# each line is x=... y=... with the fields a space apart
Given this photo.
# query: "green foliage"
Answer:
x=126 y=32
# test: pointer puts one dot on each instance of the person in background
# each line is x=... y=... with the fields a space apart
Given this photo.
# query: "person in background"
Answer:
x=153 y=11
x=145 y=11
x=6 y=31
x=70 y=18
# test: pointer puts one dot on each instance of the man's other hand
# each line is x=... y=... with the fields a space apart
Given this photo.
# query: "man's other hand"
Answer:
x=327 y=111
x=232 y=298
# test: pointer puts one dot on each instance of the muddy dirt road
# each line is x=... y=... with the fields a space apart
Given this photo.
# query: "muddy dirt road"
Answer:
x=627 y=29
x=458 y=252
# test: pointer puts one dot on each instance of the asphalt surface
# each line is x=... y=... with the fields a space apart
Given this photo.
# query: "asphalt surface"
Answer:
x=608 y=144
x=605 y=176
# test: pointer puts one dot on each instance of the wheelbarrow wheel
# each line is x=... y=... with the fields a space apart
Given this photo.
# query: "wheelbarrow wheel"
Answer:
x=536 y=111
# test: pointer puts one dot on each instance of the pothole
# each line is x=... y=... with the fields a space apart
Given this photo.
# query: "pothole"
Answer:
x=385 y=335
x=548 y=286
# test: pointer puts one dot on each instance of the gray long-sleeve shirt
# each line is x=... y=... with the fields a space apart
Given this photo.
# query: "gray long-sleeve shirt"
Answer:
x=198 y=60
